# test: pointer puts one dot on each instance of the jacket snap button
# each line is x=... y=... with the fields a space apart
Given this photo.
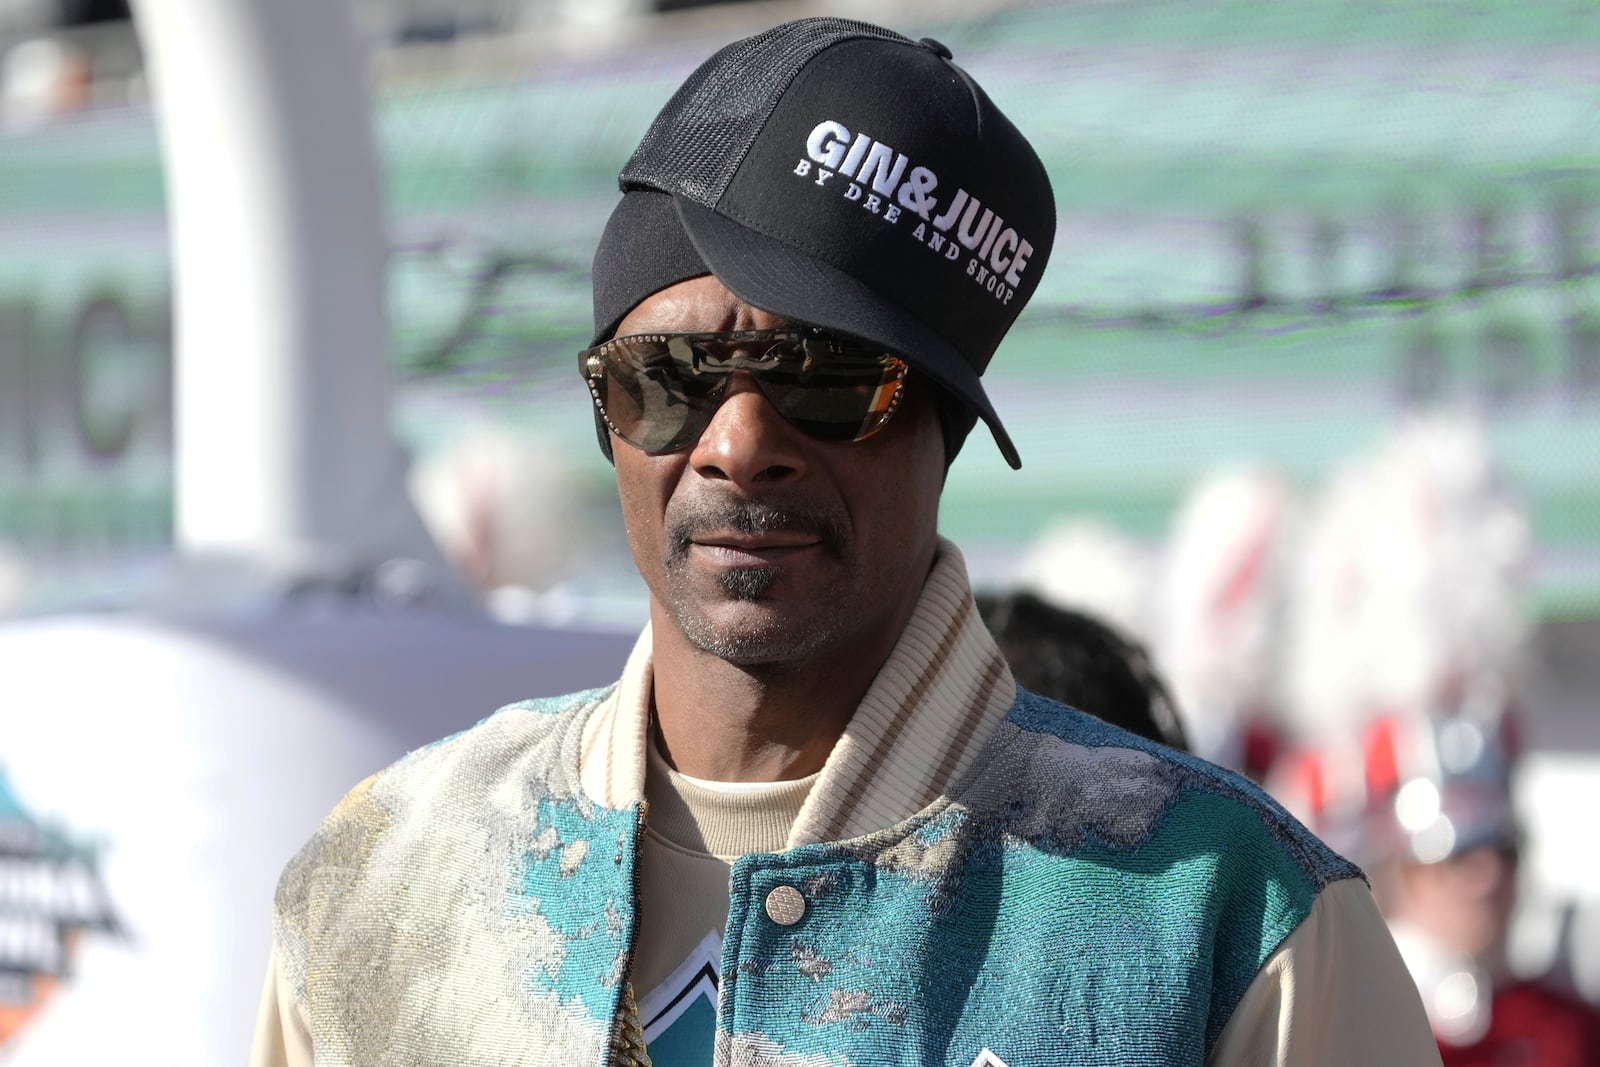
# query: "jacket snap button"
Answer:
x=785 y=905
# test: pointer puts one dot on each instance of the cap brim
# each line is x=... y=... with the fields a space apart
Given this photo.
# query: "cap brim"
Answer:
x=776 y=278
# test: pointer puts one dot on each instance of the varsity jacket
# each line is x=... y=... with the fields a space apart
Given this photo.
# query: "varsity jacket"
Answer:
x=980 y=878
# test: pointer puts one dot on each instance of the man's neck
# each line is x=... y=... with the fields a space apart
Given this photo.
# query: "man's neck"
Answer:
x=729 y=722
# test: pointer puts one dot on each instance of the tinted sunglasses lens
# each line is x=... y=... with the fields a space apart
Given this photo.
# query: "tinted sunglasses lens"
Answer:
x=650 y=399
x=839 y=398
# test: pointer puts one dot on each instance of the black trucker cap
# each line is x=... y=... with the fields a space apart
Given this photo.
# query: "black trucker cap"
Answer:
x=840 y=175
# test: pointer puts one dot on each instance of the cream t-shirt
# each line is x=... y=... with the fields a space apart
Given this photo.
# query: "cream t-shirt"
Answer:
x=694 y=830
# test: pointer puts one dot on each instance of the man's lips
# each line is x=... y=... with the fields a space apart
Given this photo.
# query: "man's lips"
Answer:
x=734 y=532
x=731 y=549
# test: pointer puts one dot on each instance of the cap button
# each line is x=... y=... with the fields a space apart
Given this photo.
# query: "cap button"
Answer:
x=785 y=905
x=935 y=47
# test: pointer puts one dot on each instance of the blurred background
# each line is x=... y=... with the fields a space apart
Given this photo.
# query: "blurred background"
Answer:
x=1308 y=404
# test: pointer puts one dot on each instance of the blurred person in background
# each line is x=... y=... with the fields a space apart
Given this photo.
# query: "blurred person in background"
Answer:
x=1076 y=660
x=1424 y=802
x=1406 y=632
x=816 y=820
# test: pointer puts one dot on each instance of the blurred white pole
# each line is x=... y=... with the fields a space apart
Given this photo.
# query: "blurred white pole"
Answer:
x=284 y=457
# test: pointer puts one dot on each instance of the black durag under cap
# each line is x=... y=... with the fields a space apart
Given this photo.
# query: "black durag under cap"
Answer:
x=643 y=250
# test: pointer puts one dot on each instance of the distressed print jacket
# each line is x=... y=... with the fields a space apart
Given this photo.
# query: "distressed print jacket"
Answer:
x=980 y=877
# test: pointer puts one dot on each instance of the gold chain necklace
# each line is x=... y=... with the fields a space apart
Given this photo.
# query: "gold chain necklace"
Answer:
x=627 y=1040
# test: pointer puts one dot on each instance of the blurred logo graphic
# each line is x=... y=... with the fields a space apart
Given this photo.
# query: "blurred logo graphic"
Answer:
x=50 y=894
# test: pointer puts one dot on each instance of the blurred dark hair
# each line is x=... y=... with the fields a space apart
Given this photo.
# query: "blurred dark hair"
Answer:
x=1081 y=662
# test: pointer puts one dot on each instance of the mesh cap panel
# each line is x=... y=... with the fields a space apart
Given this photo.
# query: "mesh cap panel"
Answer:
x=698 y=141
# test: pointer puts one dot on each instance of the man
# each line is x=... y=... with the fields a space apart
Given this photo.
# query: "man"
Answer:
x=816 y=788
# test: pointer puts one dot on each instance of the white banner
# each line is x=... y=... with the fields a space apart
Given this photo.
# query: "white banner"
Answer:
x=156 y=776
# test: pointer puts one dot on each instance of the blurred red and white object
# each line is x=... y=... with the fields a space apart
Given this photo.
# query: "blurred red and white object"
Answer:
x=1413 y=573
x=41 y=79
x=1085 y=565
x=1218 y=601
x=1418 y=785
x=504 y=514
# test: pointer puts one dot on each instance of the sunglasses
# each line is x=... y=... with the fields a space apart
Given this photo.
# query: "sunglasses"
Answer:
x=659 y=391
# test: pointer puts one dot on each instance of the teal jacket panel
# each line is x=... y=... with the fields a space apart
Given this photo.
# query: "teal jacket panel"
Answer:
x=1089 y=898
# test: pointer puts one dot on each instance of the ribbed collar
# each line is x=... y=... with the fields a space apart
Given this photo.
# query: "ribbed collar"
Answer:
x=923 y=721
x=718 y=821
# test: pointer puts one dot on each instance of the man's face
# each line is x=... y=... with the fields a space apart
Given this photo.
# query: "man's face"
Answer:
x=1465 y=900
x=762 y=545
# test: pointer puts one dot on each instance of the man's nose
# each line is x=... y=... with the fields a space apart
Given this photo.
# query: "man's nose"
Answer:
x=748 y=442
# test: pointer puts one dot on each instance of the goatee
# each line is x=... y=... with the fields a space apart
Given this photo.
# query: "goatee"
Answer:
x=747 y=583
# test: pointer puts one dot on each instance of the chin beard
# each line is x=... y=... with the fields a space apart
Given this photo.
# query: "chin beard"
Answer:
x=747 y=583
x=754 y=641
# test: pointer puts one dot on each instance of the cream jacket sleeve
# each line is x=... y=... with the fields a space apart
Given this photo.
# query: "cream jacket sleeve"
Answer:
x=282 y=1037
x=1335 y=992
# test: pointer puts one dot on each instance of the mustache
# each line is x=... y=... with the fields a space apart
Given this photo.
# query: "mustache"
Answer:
x=745 y=516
